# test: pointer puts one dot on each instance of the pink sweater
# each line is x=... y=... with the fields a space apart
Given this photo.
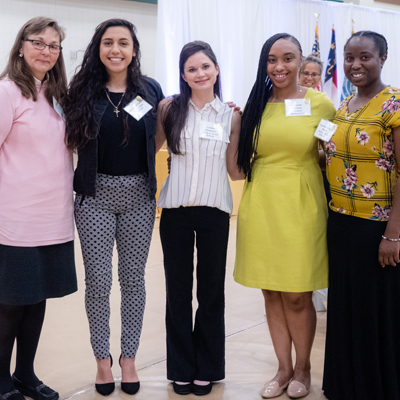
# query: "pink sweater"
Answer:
x=36 y=172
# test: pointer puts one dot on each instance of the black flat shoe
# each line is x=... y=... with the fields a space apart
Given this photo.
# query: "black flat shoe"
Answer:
x=13 y=395
x=182 y=389
x=200 y=390
x=105 y=389
x=40 y=392
x=129 y=387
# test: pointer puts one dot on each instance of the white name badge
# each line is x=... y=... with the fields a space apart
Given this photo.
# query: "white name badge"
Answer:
x=297 y=107
x=325 y=130
x=138 y=107
x=58 y=109
x=211 y=130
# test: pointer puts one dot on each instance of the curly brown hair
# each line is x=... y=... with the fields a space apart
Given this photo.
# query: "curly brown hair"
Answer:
x=89 y=85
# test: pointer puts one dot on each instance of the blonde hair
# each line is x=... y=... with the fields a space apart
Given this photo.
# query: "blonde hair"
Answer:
x=19 y=71
x=312 y=58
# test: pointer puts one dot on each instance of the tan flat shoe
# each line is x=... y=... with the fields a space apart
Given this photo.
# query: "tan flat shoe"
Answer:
x=272 y=389
x=296 y=390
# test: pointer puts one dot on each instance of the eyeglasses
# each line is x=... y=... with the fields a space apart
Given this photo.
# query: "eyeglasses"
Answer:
x=37 y=44
x=313 y=75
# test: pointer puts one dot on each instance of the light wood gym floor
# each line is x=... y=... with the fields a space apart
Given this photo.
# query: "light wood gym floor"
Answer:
x=66 y=363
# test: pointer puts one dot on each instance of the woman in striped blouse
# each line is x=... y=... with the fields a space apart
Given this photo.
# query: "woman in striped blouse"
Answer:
x=202 y=135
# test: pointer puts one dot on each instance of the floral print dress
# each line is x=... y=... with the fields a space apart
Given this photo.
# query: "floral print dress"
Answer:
x=361 y=166
x=362 y=354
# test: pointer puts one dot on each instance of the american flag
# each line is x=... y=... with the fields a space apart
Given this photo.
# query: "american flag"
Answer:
x=315 y=49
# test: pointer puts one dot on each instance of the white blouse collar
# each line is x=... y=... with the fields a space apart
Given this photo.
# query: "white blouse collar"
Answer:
x=215 y=104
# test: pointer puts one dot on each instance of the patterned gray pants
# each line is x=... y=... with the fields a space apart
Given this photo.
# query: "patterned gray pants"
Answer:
x=123 y=212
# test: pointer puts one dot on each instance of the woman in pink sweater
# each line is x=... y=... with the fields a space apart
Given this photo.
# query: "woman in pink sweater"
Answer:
x=36 y=205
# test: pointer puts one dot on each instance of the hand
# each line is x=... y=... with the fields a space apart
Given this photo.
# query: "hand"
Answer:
x=231 y=104
x=169 y=164
x=389 y=253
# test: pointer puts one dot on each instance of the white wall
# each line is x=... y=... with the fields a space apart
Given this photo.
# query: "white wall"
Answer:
x=376 y=4
x=79 y=18
x=237 y=30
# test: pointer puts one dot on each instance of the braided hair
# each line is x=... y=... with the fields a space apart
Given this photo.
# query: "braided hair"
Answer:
x=256 y=103
x=377 y=38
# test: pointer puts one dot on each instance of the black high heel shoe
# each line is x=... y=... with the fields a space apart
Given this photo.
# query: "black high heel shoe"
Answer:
x=129 y=387
x=105 y=389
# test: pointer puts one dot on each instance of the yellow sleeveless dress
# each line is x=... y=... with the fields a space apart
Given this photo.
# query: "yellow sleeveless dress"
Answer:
x=281 y=227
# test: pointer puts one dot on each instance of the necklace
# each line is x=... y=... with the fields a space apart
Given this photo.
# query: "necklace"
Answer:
x=115 y=106
x=292 y=96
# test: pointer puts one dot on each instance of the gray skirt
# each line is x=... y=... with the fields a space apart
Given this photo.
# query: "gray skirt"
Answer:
x=29 y=275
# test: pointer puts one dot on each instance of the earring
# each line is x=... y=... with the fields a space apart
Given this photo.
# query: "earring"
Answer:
x=21 y=55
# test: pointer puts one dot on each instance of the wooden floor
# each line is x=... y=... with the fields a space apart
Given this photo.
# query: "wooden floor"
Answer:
x=66 y=363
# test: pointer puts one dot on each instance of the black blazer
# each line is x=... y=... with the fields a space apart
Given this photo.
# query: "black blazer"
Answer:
x=86 y=171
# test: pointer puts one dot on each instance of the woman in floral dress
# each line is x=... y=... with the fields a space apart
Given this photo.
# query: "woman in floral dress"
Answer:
x=362 y=360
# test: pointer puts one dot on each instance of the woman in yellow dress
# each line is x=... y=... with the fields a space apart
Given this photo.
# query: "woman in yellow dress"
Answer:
x=281 y=234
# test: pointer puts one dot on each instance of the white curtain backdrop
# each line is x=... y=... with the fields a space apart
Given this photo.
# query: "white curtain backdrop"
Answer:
x=237 y=29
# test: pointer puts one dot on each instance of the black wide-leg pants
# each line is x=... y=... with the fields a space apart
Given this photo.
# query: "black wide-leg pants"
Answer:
x=362 y=355
x=199 y=352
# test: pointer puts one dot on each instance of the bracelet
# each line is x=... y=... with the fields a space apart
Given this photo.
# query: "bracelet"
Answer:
x=390 y=240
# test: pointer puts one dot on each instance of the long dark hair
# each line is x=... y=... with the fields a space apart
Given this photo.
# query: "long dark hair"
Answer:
x=177 y=110
x=19 y=71
x=259 y=95
x=89 y=85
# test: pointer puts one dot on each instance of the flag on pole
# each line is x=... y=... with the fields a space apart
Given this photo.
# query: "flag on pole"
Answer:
x=315 y=49
x=348 y=88
x=330 y=81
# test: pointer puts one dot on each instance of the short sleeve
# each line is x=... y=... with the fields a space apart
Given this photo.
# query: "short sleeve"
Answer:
x=6 y=114
x=391 y=108
x=327 y=108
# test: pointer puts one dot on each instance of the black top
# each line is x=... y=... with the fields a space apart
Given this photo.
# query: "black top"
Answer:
x=86 y=170
x=115 y=157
